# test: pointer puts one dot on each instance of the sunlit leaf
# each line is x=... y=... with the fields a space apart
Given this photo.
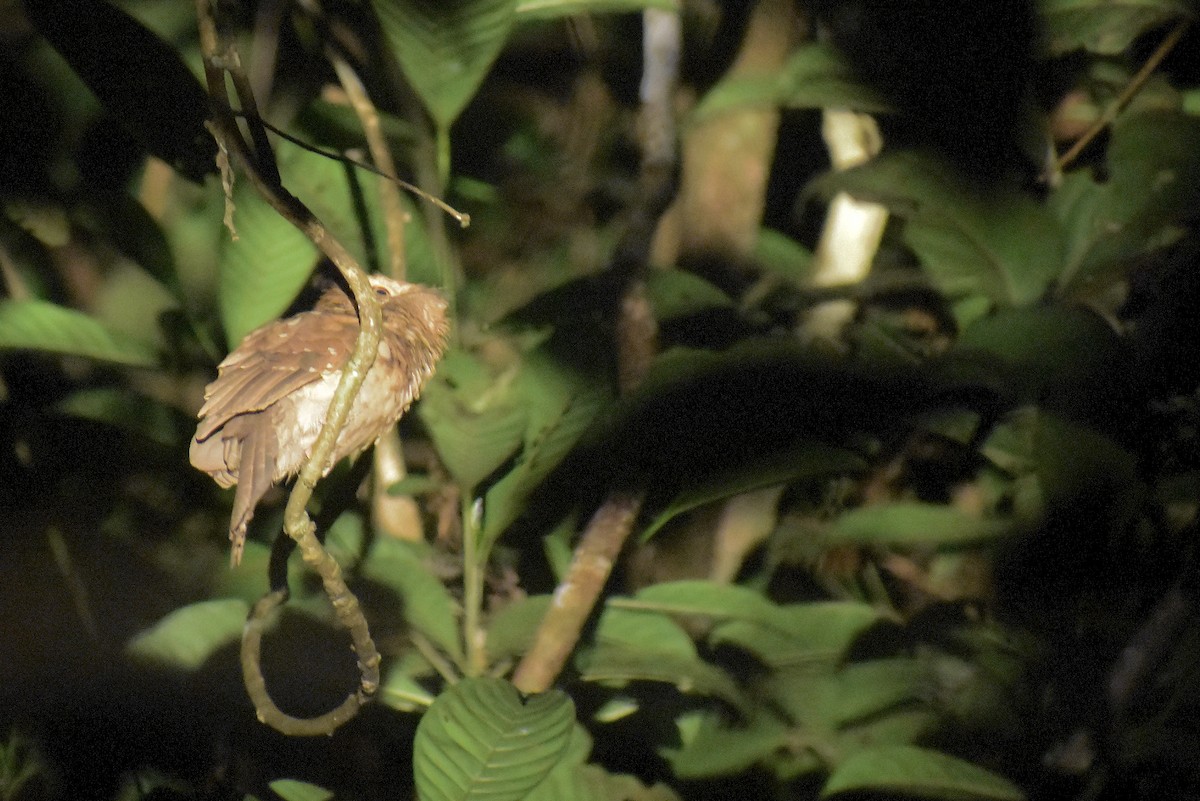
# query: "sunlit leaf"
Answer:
x=913 y=524
x=446 y=47
x=43 y=326
x=188 y=636
x=1102 y=26
x=918 y=772
x=481 y=739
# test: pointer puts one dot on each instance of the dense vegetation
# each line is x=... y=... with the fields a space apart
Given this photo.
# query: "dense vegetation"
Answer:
x=820 y=418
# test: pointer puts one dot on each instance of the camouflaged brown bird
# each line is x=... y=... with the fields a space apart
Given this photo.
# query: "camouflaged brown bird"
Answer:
x=263 y=412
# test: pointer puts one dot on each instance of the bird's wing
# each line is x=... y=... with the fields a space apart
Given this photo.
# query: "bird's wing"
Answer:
x=274 y=361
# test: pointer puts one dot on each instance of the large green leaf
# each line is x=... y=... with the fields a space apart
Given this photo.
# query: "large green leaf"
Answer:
x=914 y=524
x=188 y=636
x=1000 y=243
x=918 y=772
x=446 y=47
x=1104 y=26
x=44 y=326
x=617 y=666
x=869 y=689
x=482 y=740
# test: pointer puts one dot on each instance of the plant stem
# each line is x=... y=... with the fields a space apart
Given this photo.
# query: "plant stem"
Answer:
x=474 y=563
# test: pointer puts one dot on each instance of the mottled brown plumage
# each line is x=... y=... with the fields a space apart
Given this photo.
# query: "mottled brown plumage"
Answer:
x=263 y=412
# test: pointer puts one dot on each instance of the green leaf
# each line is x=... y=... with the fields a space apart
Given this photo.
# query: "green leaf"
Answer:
x=554 y=9
x=399 y=690
x=912 y=524
x=678 y=293
x=295 y=790
x=446 y=47
x=618 y=665
x=188 y=636
x=262 y=270
x=918 y=772
x=1103 y=26
x=481 y=739
x=815 y=76
x=43 y=326
x=1153 y=185
x=644 y=631
x=129 y=411
x=816 y=634
x=805 y=461
x=869 y=689
x=717 y=749
x=428 y=606
x=648 y=646
x=696 y=597
x=783 y=256
x=476 y=420
x=560 y=404
x=1002 y=244
x=510 y=632
x=1064 y=358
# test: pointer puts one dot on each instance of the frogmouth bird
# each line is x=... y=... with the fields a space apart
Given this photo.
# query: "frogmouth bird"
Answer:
x=263 y=412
